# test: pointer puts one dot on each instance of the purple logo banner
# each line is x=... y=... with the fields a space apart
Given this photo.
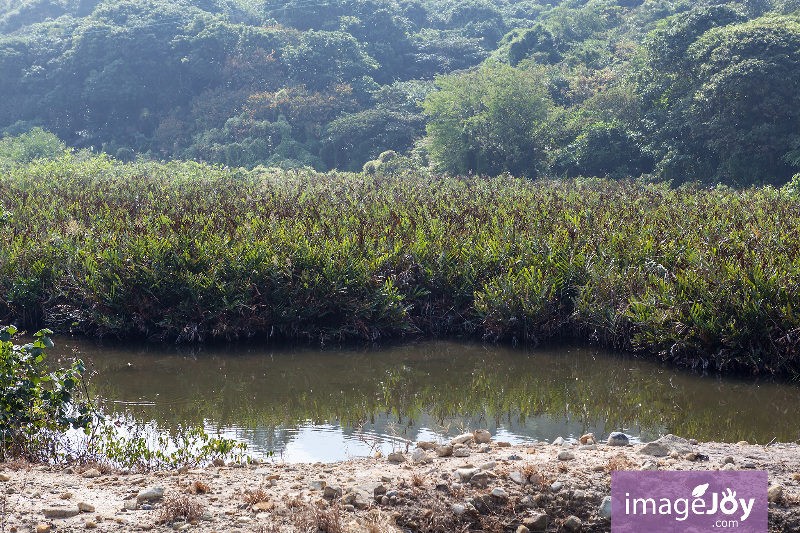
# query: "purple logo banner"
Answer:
x=689 y=502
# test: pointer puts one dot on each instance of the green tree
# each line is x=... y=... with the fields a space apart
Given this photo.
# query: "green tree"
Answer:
x=488 y=121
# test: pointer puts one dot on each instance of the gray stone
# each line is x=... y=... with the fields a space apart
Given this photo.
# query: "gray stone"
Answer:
x=573 y=523
x=579 y=495
x=465 y=474
x=517 y=478
x=446 y=450
x=488 y=466
x=461 y=452
x=85 y=507
x=590 y=447
x=396 y=457
x=419 y=456
x=317 y=484
x=559 y=441
x=556 y=486
x=481 y=436
x=605 y=508
x=479 y=480
x=129 y=505
x=500 y=493
x=775 y=494
x=458 y=509
x=667 y=445
x=565 y=455
x=60 y=512
x=655 y=448
x=155 y=492
x=523 y=529
x=618 y=439
x=728 y=459
x=649 y=465
x=536 y=522
x=349 y=508
x=426 y=445
x=462 y=439
x=332 y=491
x=92 y=472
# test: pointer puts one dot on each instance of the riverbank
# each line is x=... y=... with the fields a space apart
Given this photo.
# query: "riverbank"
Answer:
x=468 y=486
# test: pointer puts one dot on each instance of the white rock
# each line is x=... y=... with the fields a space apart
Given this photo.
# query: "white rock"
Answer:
x=565 y=455
x=605 y=508
x=559 y=441
x=150 y=493
x=481 y=436
x=461 y=439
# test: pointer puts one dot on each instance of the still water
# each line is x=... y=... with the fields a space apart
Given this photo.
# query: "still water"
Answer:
x=327 y=405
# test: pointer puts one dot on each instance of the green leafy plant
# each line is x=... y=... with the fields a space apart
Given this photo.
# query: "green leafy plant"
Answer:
x=37 y=406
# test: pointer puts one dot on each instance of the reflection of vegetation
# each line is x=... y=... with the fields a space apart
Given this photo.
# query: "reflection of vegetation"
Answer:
x=406 y=384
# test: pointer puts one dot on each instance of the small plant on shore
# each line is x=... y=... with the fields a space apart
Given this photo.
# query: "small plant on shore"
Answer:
x=178 y=506
x=36 y=406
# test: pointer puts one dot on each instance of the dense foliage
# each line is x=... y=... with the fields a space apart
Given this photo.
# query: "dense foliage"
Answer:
x=703 y=276
x=678 y=90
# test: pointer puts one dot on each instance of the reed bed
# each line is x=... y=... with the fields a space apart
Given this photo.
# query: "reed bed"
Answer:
x=706 y=277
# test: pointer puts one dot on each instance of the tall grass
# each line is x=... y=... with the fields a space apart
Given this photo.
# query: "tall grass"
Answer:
x=183 y=251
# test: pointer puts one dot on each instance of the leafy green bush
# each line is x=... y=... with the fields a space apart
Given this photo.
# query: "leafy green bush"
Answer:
x=37 y=406
x=35 y=144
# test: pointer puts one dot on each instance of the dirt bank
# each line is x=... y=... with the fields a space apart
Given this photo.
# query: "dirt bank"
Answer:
x=492 y=487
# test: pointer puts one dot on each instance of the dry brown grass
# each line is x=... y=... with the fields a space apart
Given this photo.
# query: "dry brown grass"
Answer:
x=179 y=506
x=619 y=462
x=417 y=480
x=315 y=517
x=198 y=486
x=255 y=496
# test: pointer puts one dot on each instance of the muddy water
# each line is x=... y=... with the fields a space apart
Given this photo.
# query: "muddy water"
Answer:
x=327 y=405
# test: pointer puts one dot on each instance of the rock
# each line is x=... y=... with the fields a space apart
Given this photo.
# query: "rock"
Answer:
x=559 y=441
x=728 y=459
x=536 y=522
x=588 y=438
x=573 y=523
x=263 y=507
x=426 y=445
x=60 y=512
x=465 y=474
x=349 y=508
x=488 y=466
x=531 y=450
x=485 y=448
x=480 y=480
x=523 y=529
x=446 y=450
x=503 y=444
x=796 y=477
x=65 y=495
x=556 y=486
x=579 y=495
x=419 y=456
x=775 y=494
x=396 y=457
x=332 y=491
x=691 y=456
x=588 y=447
x=481 y=436
x=146 y=507
x=528 y=502
x=461 y=439
x=649 y=465
x=742 y=443
x=666 y=445
x=565 y=455
x=317 y=484
x=514 y=457
x=4 y=477
x=728 y=466
x=618 y=439
x=458 y=509
x=693 y=442
x=92 y=472
x=155 y=492
x=43 y=528
x=362 y=499
x=516 y=477
x=461 y=452
x=218 y=462
x=348 y=498
x=129 y=505
x=535 y=479
x=605 y=508
x=85 y=507
x=90 y=524
x=500 y=493
x=385 y=500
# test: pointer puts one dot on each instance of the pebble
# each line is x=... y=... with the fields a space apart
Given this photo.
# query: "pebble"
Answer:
x=4 y=477
x=536 y=522
x=458 y=509
x=556 y=486
x=445 y=450
x=514 y=457
x=693 y=442
x=618 y=439
x=349 y=507
x=573 y=523
x=461 y=439
x=481 y=436
x=517 y=478
x=523 y=529
x=419 y=456
x=129 y=505
x=91 y=473
x=333 y=491
x=396 y=457
x=728 y=466
x=691 y=456
x=649 y=465
x=465 y=474
x=656 y=449
x=579 y=495
x=503 y=444
x=728 y=459
x=90 y=524
x=147 y=507
x=317 y=484
x=60 y=512
x=65 y=495
x=426 y=445
x=605 y=508
x=565 y=455
x=742 y=443
x=500 y=493
x=559 y=441
x=461 y=452
x=150 y=493
x=43 y=528
x=85 y=507
x=480 y=480
x=775 y=494
x=488 y=466
x=588 y=438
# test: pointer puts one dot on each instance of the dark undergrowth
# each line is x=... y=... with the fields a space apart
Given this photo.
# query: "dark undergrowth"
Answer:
x=185 y=252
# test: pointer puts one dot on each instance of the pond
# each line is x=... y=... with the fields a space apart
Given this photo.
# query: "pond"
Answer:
x=307 y=405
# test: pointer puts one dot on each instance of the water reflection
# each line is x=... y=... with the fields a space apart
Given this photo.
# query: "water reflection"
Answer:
x=309 y=405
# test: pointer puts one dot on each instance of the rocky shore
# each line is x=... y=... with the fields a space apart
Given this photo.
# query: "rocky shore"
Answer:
x=468 y=484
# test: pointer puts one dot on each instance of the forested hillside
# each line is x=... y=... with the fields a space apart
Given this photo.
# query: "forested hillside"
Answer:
x=676 y=90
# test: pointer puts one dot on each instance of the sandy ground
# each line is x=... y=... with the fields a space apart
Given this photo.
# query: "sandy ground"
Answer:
x=499 y=488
